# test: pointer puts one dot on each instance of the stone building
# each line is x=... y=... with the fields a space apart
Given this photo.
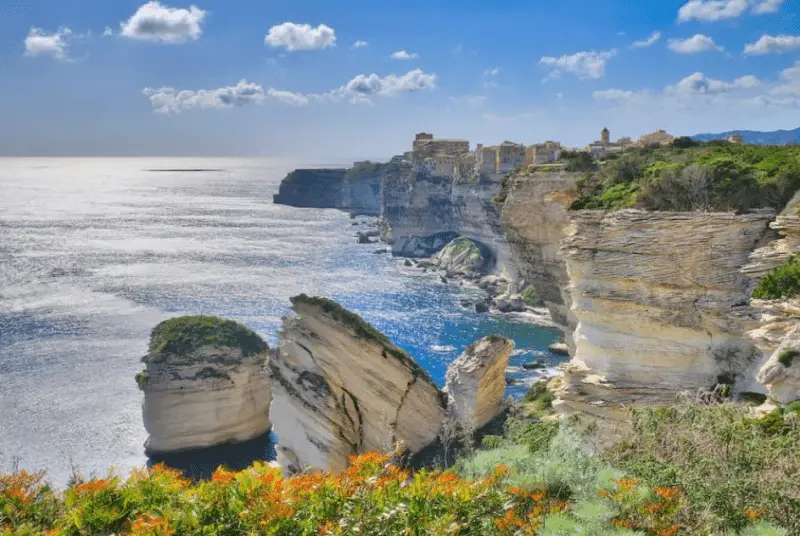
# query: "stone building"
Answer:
x=426 y=146
x=542 y=153
x=510 y=157
x=736 y=139
x=659 y=137
x=604 y=146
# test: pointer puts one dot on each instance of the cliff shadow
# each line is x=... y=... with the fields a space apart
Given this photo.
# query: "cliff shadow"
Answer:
x=199 y=464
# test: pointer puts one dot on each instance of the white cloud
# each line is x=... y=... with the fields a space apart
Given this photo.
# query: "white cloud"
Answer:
x=403 y=55
x=589 y=64
x=650 y=41
x=108 y=32
x=767 y=6
x=693 y=45
x=288 y=97
x=167 y=100
x=163 y=24
x=473 y=101
x=791 y=84
x=37 y=43
x=295 y=37
x=716 y=10
x=698 y=83
x=359 y=44
x=363 y=87
x=494 y=71
x=769 y=44
x=613 y=95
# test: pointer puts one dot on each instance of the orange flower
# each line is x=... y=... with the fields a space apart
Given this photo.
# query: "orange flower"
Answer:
x=501 y=470
x=667 y=493
x=753 y=514
x=670 y=531
x=222 y=475
x=93 y=486
x=623 y=523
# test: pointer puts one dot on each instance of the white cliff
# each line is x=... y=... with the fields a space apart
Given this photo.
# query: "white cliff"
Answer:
x=340 y=387
x=205 y=384
x=476 y=381
x=660 y=303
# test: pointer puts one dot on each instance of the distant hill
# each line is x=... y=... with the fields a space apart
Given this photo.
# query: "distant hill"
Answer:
x=775 y=137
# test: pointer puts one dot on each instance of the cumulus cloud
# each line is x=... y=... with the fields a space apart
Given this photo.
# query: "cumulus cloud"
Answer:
x=163 y=24
x=295 y=37
x=791 y=82
x=363 y=88
x=494 y=71
x=650 y=41
x=167 y=100
x=403 y=55
x=698 y=83
x=359 y=44
x=773 y=44
x=288 y=97
x=693 y=45
x=37 y=43
x=588 y=64
x=716 y=10
x=108 y=32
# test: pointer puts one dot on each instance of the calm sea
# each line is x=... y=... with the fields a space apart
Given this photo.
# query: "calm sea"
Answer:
x=95 y=252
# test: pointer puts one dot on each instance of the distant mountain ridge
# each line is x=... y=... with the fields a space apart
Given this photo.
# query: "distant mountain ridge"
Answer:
x=774 y=137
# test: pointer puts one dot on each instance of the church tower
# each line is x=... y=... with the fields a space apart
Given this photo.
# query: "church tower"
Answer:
x=605 y=137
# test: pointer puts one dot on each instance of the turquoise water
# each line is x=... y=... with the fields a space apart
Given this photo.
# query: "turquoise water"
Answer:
x=95 y=252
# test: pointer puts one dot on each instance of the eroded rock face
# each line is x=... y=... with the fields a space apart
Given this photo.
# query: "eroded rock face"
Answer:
x=661 y=305
x=340 y=387
x=416 y=207
x=534 y=216
x=778 y=329
x=205 y=384
x=476 y=381
x=356 y=190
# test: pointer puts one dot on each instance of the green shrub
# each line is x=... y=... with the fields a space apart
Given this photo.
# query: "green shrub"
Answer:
x=781 y=282
x=753 y=398
x=530 y=297
x=141 y=379
x=724 y=461
x=786 y=357
x=186 y=334
x=489 y=442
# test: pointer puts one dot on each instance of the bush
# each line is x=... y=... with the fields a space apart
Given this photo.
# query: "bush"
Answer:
x=730 y=467
x=781 y=282
x=186 y=334
x=687 y=177
x=786 y=357
x=531 y=297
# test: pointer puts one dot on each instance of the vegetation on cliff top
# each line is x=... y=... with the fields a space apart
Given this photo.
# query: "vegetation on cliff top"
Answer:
x=362 y=329
x=712 y=176
x=781 y=282
x=186 y=334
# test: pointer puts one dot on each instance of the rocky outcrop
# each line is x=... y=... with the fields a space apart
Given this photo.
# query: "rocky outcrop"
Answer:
x=661 y=305
x=356 y=190
x=340 y=387
x=461 y=258
x=204 y=384
x=476 y=381
x=777 y=334
x=534 y=215
x=416 y=207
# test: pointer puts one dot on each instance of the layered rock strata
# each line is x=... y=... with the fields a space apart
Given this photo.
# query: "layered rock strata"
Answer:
x=340 y=387
x=205 y=384
x=534 y=215
x=476 y=381
x=661 y=305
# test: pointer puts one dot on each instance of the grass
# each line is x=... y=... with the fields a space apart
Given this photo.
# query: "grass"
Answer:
x=781 y=282
x=187 y=334
x=706 y=176
x=531 y=297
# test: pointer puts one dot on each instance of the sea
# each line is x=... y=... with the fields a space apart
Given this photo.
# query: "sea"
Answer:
x=94 y=252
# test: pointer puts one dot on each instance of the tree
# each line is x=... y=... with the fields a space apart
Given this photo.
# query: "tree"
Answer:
x=684 y=142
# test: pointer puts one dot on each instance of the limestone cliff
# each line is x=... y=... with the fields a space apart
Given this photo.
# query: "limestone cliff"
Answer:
x=661 y=305
x=534 y=215
x=416 y=206
x=340 y=387
x=476 y=381
x=356 y=190
x=204 y=384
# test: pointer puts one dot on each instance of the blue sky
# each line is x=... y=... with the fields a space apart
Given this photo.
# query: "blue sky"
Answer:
x=280 y=77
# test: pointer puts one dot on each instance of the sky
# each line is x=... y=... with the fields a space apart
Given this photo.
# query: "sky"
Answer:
x=318 y=80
